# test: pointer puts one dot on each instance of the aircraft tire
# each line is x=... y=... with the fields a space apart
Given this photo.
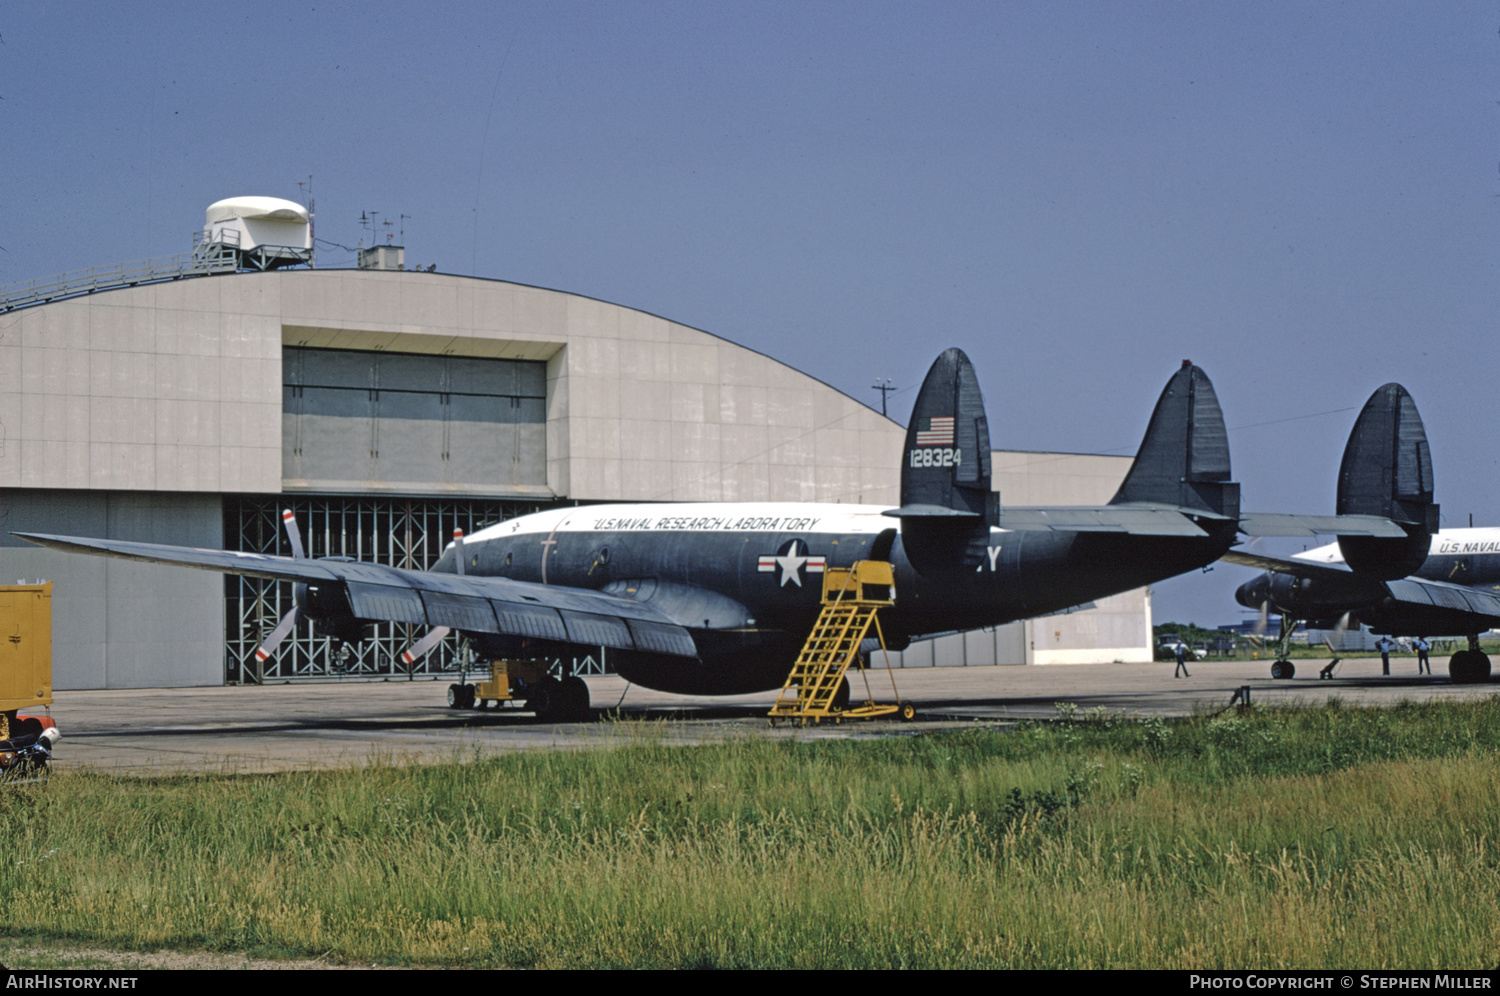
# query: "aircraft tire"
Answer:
x=1283 y=669
x=841 y=694
x=576 y=698
x=1468 y=667
x=454 y=696
x=546 y=700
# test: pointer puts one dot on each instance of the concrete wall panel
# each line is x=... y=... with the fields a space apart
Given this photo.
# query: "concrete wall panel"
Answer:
x=118 y=624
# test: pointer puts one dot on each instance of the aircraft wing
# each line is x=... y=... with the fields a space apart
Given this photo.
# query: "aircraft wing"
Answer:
x=1296 y=568
x=1442 y=595
x=1418 y=592
x=472 y=604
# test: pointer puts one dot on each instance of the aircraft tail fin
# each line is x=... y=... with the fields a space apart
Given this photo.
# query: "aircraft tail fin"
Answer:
x=1184 y=457
x=1387 y=471
x=945 y=470
x=947 y=507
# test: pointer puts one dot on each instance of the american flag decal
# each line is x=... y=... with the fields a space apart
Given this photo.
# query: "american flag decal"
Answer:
x=937 y=432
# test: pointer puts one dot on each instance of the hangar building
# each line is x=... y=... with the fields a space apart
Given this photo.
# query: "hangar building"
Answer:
x=386 y=407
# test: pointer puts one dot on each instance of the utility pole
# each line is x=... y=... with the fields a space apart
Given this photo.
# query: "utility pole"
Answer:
x=883 y=385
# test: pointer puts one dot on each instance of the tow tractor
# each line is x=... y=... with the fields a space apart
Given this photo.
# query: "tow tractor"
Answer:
x=525 y=680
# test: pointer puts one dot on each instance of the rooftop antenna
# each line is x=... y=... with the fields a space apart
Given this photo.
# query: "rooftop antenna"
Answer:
x=883 y=385
x=403 y=228
x=368 y=223
x=312 y=231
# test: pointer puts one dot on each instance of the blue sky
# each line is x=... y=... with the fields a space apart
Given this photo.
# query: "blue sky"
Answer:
x=1300 y=197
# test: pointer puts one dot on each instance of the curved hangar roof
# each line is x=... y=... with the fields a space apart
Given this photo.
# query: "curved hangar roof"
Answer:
x=178 y=386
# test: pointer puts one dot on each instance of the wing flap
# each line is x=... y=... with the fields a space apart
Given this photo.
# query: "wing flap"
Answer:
x=658 y=639
x=596 y=630
x=383 y=601
x=1442 y=595
x=536 y=622
x=470 y=613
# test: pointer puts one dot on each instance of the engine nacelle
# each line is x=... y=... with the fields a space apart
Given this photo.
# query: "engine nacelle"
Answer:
x=327 y=605
x=1310 y=598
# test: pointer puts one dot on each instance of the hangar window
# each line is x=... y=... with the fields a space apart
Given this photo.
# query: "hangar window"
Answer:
x=357 y=419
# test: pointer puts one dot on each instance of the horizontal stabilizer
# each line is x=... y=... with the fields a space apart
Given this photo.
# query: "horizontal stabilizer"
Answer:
x=1133 y=519
x=928 y=512
x=1278 y=524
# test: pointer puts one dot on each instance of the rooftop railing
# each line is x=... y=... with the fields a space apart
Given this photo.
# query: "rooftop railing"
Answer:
x=208 y=258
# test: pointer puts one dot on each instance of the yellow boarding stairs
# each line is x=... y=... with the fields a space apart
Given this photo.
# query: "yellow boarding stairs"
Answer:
x=851 y=597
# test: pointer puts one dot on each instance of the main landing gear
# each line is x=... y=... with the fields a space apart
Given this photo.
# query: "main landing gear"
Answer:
x=1469 y=667
x=553 y=700
x=559 y=701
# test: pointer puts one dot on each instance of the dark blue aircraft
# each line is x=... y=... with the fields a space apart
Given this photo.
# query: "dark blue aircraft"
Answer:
x=719 y=598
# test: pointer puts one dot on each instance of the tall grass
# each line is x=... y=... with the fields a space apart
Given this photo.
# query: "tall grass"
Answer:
x=1311 y=838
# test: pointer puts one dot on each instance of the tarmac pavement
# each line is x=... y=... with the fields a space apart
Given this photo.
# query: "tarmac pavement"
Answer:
x=299 y=726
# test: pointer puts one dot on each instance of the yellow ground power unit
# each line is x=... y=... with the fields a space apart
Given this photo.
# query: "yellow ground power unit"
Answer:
x=25 y=650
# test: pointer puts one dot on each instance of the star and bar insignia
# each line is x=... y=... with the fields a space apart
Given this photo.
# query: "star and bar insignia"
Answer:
x=792 y=563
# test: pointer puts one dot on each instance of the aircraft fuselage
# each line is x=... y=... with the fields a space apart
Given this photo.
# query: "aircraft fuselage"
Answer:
x=746 y=578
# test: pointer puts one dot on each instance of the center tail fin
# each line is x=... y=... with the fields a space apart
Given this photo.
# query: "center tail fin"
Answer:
x=1184 y=458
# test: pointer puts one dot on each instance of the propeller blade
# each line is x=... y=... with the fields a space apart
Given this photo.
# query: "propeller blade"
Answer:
x=1338 y=629
x=458 y=550
x=293 y=534
x=421 y=648
x=1264 y=620
x=278 y=634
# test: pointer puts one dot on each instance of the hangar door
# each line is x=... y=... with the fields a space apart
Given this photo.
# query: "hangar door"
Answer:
x=357 y=420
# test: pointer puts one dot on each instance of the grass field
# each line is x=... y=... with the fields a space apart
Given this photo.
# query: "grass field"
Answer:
x=1331 y=837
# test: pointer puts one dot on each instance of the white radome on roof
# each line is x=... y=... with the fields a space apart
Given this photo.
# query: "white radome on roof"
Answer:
x=268 y=208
